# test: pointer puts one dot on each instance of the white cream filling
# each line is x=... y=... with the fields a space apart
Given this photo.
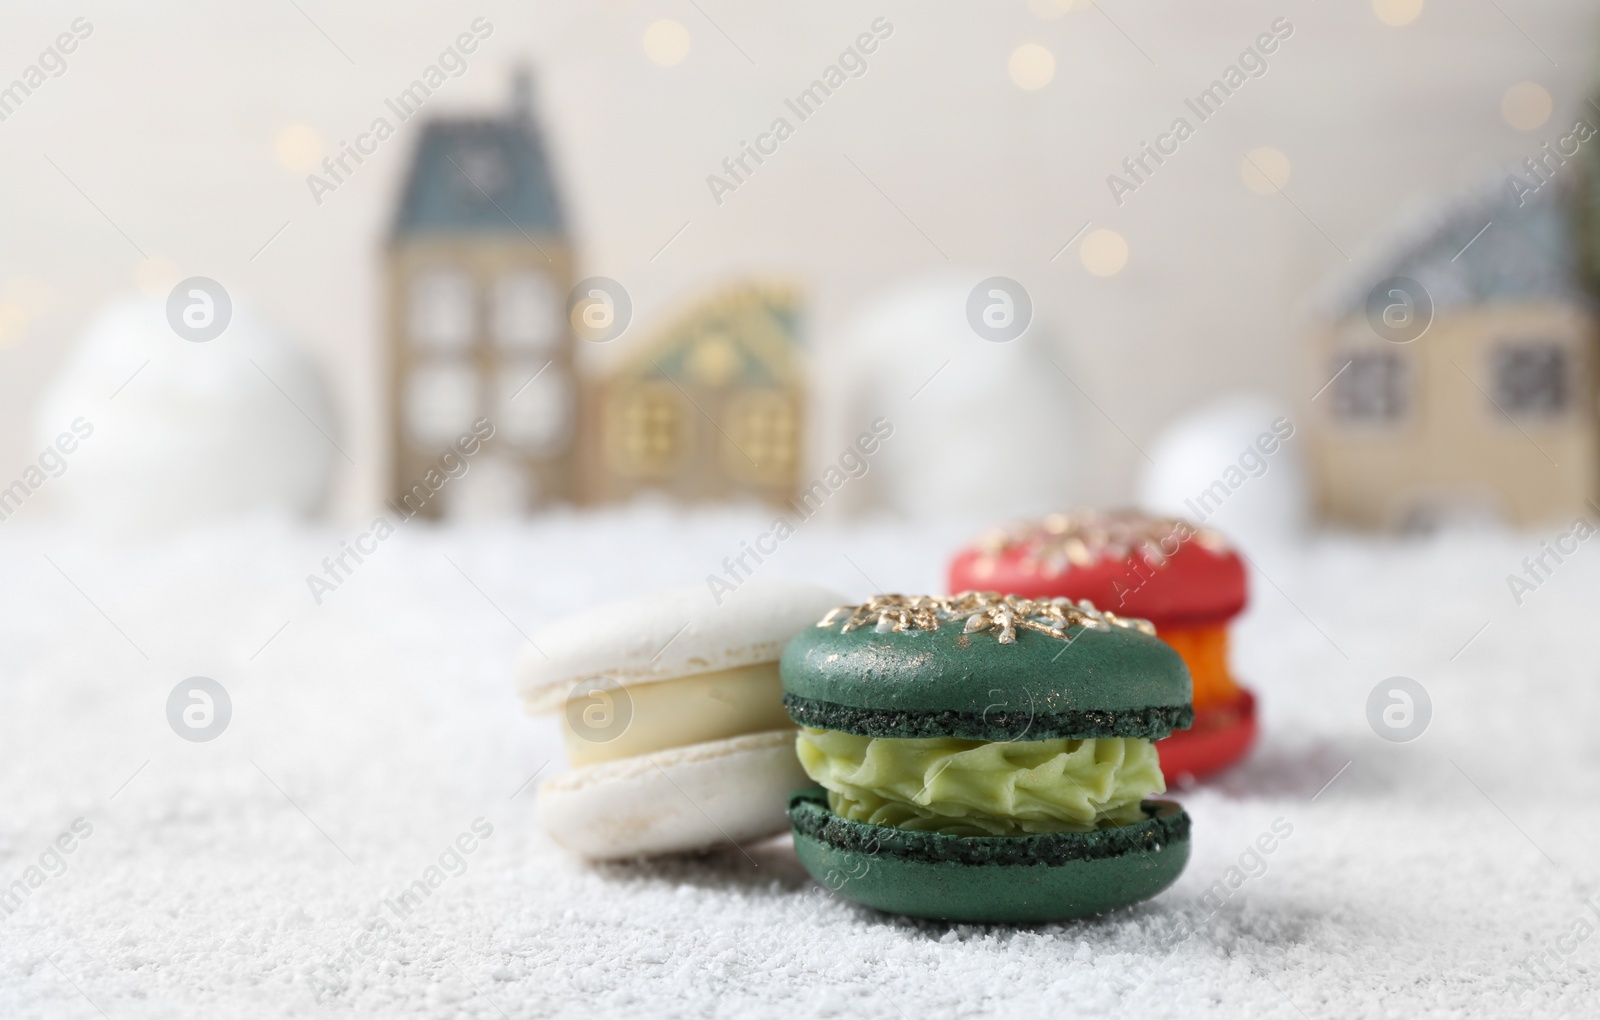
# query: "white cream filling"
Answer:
x=665 y=714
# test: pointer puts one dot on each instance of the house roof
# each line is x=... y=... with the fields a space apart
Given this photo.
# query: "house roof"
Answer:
x=1476 y=247
x=486 y=175
x=757 y=324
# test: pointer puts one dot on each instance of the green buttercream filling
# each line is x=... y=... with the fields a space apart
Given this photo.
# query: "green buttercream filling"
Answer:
x=983 y=788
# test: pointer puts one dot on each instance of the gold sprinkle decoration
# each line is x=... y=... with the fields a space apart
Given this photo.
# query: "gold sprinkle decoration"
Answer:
x=1057 y=542
x=979 y=612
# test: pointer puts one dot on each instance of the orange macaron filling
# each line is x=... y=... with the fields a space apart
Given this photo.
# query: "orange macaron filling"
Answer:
x=1205 y=651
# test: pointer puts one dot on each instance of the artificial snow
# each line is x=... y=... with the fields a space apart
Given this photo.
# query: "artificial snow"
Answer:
x=312 y=860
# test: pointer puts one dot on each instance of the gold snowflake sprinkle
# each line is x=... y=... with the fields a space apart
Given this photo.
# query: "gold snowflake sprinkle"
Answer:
x=978 y=612
x=1057 y=542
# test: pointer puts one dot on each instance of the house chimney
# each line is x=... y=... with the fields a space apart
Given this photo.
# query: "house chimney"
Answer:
x=522 y=95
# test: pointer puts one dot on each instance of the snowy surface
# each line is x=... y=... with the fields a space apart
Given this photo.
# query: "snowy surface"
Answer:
x=226 y=878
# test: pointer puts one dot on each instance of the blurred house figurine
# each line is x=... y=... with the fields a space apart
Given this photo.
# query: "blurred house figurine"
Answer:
x=709 y=408
x=1462 y=371
x=478 y=270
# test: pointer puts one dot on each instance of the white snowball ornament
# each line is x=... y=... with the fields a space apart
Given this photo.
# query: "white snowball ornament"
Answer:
x=983 y=428
x=186 y=432
x=1235 y=465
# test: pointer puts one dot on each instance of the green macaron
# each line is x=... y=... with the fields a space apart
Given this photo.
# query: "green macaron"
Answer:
x=985 y=758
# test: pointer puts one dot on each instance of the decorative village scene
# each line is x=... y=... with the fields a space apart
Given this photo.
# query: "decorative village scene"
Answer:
x=484 y=323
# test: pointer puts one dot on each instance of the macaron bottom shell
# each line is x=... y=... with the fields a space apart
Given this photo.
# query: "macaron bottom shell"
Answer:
x=1220 y=737
x=679 y=800
x=990 y=879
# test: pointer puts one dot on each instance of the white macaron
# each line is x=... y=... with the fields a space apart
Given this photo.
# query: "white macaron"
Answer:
x=672 y=712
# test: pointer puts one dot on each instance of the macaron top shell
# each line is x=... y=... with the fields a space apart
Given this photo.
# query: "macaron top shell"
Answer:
x=665 y=635
x=982 y=666
x=1162 y=569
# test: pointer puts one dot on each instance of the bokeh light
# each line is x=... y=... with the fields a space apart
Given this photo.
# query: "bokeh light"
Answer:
x=666 y=42
x=1104 y=252
x=1031 y=66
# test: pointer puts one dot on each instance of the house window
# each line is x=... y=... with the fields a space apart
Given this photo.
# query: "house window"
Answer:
x=533 y=406
x=1532 y=379
x=1372 y=386
x=714 y=360
x=762 y=437
x=527 y=311
x=441 y=402
x=440 y=309
x=646 y=434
